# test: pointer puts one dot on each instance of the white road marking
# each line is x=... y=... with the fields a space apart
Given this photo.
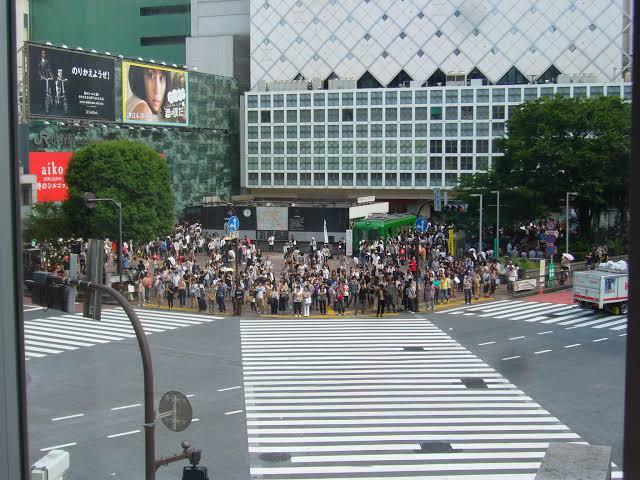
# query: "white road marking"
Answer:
x=544 y=333
x=622 y=335
x=77 y=415
x=191 y=395
x=229 y=388
x=571 y=346
x=233 y=412
x=517 y=338
x=601 y=339
x=511 y=358
x=486 y=343
x=613 y=323
x=123 y=434
x=56 y=447
x=541 y=352
x=126 y=406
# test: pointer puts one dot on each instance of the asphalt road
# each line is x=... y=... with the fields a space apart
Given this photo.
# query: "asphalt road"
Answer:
x=575 y=373
x=92 y=398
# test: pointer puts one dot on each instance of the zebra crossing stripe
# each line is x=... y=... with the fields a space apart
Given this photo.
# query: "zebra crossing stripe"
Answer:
x=595 y=321
x=476 y=307
x=611 y=324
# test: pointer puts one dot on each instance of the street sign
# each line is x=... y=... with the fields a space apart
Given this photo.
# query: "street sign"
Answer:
x=369 y=199
x=422 y=225
x=445 y=199
x=550 y=239
x=551 y=249
x=552 y=271
x=437 y=200
x=551 y=225
x=175 y=411
x=234 y=224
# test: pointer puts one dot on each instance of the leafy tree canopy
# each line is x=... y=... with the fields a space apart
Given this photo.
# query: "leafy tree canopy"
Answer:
x=131 y=173
x=558 y=145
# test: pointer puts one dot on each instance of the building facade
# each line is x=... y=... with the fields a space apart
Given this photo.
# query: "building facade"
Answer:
x=387 y=43
x=151 y=29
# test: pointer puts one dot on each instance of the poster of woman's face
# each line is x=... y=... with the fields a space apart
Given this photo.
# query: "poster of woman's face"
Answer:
x=154 y=95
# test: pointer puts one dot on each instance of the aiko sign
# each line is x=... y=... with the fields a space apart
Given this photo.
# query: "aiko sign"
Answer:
x=50 y=169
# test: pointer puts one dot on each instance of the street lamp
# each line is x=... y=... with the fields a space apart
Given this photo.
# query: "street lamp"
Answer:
x=480 y=229
x=497 y=246
x=566 y=233
x=90 y=201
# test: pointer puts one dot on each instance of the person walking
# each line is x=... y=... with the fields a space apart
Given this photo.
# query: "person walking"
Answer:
x=182 y=292
x=221 y=292
x=170 y=294
x=141 y=292
x=273 y=301
x=340 y=299
x=322 y=299
x=468 y=286
x=380 y=295
x=361 y=298
x=297 y=301
x=306 y=301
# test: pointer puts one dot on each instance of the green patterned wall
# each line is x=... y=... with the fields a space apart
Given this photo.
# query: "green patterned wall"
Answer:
x=202 y=161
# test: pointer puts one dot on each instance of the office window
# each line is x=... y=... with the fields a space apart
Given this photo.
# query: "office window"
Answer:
x=451 y=146
x=305 y=99
x=482 y=113
x=305 y=179
x=292 y=163
x=421 y=130
x=391 y=114
x=435 y=179
x=579 y=91
x=347 y=98
x=435 y=146
x=390 y=179
x=376 y=163
x=422 y=113
x=278 y=178
x=466 y=129
x=252 y=132
x=391 y=146
x=515 y=94
x=252 y=163
x=406 y=115
x=265 y=101
x=451 y=163
x=362 y=179
x=278 y=132
x=482 y=95
x=253 y=179
x=319 y=131
x=452 y=96
x=405 y=180
x=563 y=91
x=376 y=130
x=421 y=97
x=613 y=91
x=333 y=131
x=420 y=179
x=292 y=131
x=406 y=130
x=451 y=129
x=596 y=91
x=497 y=129
x=482 y=146
x=252 y=116
x=252 y=147
x=391 y=163
x=421 y=163
x=347 y=163
x=362 y=98
x=292 y=100
x=482 y=129
x=451 y=113
x=376 y=114
x=333 y=179
x=347 y=179
x=406 y=146
x=292 y=147
x=305 y=131
x=292 y=179
x=362 y=115
x=347 y=131
x=278 y=116
x=495 y=147
x=265 y=117
x=627 y=92
x=305 y=163
x=265 y=163
x=497 y=112
x=482 y=163
x=436 y=97
x=252 y=101
x=406 y=163
x=466 y=112
x=278 y=147
x=305 y=116
x=406 y=97
x=347 y=146
x=362 y=147
x=305 y=147
x=391 y=97
x=466 y=96
x=376 y=179
x=347 y=114
x=265 y=148
x=450 y=179
x=530 y=93
x=265 y=133
x=319 y=179
x=498 y=95
x=376 y=146
x=436 y=113
x=278 y=163
x=333 y=115
x=333 y=163
x=546 y=92
x=512 y=108
x=435 y=163
x=376 y=98
x=466 y=163
x=391 y=130
x=292 y=116
x=466 y=146
x=278 y=101
x=333 y=99
x=333 y=147
x=362 y=131
x=319 y=99
x=435 y=130
x=421 y=146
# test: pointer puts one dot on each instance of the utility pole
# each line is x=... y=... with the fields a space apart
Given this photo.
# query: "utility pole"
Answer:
x=497 y=245
x=566 y=233
x=480 y=228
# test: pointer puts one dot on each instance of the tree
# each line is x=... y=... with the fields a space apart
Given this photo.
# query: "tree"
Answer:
x=558 y=145
x=131 y=173
x=46 y=222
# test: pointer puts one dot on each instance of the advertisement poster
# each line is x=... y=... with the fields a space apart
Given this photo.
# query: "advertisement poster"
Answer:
x=70 y=84
x=154 y=95
x=273 y=218
x=50 y=169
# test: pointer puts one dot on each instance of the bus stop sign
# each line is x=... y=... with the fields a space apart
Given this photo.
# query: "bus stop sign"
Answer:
x=234 y=224
x=422 y=225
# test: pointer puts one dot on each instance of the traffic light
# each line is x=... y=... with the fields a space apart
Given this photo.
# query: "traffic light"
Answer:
x=195 y=473
x=456 y=207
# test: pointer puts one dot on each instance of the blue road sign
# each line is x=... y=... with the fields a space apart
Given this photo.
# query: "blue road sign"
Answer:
x=234 y=224
x=421 y=224
x=551 y=249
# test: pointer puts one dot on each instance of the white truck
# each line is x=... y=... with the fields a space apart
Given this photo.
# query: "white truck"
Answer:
x=606 y=287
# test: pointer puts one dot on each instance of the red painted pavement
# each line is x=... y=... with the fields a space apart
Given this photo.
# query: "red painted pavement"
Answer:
x=564 y=297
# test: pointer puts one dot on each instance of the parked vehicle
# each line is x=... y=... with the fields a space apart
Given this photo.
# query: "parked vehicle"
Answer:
x=604 y=288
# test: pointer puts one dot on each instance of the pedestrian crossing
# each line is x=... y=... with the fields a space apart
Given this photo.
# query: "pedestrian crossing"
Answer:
x=58 y=334
x=384 y=399
x=568 y=316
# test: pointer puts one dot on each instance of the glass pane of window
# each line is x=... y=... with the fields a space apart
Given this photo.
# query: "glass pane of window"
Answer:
x=435 y=146
x=579 y=91
x=347 y=98
x=515 y=94
x=420 y=180
x=318 y=131
x=305 y=147
x=406 y=114
x=376 y=146
x=435 y=163
x=597 y=91
x=278 y=178
x=265 y=117
x=362 y=179
x=406 y=163
x=347 y=146
x=406 y=97
x=252 y=101
x=319 y=99
x=347 y=179
x=435 y=130
x=406 y=130
x=466 y=96
x=362 y=114
x=451 y=129
x=305 y=131
x=362 y=147
x=546 y=92
x=292 y=116
x=319 y=147
x=292 y=100
x=362 y=98
x=406 y=146
x=391 y=146
x=265 y=133
x=466 y=163
x=253 y=179
x=252 y=163
x=319 y=179
x=305 y=163
x=278 y=100
x=252 y=116
x=422 y=113
x=333 y=115
x=278 y=132
x=436 y=97
x=265 y=101
x=347 y=131
x=333 y=163
x=292 y=147
x=391 y=130
x=376 y=163
x=405 y=180
x=451 y=113
x=530 y=93
x=466 y=112
x=347 y=114
x=265 y=148
x=450 y=179
x=376 y=179
x=333 y=131
x=333 y=179
x=613 y=91
x=390 y=179
x=305 y=179
x=452 y=96
x=376 y=114
x=421 y=97
x=252 y=132
x=305 y=116
x=362 y=131
x=333 y=99
x=482 y=163
x=498 y=95
x=278 y=147
x=265 y=163
x=292 y=131
x=292 y=179
x=482 y=95
x=376 y=130
x=292 y=163
x=563 y=91
x=466 y=129
x=451 y=163
x=347 y=163
x=435 y=179
x=436 y=113
x=421 y=163
x=482 y=129
x=376 y=98
x=333 y=147
x=391 y=114
x=391 y=97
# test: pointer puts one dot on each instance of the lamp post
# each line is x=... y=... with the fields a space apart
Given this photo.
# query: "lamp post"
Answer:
x=480 y=229
x=566 y=233
x=90 y=200
x=497 y=247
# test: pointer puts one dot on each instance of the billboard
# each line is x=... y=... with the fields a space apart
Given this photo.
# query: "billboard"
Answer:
x=50 y=169
x=70 y=84
x=154 y=95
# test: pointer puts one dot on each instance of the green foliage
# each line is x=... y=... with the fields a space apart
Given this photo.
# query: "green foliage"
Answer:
x=559 y=145
x=46 y=222
x=131 y=173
